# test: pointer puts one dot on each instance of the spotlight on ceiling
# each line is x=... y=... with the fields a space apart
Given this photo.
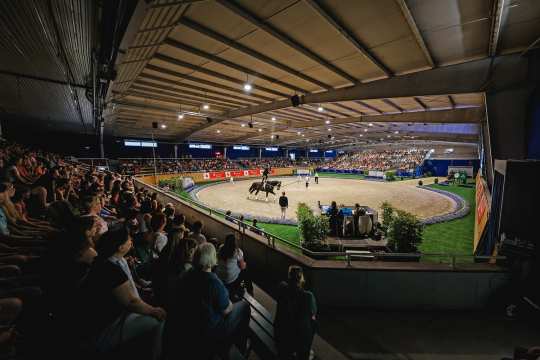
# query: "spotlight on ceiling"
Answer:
x=206 y=106
x=303 y=135
x=247 y=87
x=273 y=118
x=218 y=131
x=396 y=132
x=327 y=121
x=260 y=130
x=243 y=125
x=370 y=124
x=365 y=130
x=163 y=126
x=320 y=109
x=298 y=133
x=180 y=116
x=329 y=129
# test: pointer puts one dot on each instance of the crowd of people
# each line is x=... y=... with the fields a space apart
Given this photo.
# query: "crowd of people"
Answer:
x=379 y=160
x=108 y=266
x=132 y=166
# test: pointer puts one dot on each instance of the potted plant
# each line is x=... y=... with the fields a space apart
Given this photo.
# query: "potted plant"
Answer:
x=313 y=229
x=404 y=234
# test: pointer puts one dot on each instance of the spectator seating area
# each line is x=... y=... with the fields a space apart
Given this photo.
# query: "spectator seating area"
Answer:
x=92 y=266
x=405 y=160
x=143 y=166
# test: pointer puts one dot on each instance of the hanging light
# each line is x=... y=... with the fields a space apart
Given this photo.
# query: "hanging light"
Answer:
x=206 y=107
x=260 y=130
x=243 y=125
x=273 y=118
x=370 y=124
x=247 y=87
x=329 y=129
x=218 y=131
x=320 y=109
x=396 y=132
x=163 y=126
x=298 y=133
x=327 y=122
x=180 y=116
x=365 y=130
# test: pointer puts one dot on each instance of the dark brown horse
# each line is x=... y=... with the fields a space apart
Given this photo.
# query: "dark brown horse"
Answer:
x=267 y=187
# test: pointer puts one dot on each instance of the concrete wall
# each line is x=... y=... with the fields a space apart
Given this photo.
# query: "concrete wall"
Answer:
x=366 y=284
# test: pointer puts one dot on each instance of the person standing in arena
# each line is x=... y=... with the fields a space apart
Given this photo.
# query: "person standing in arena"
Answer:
x=284 y=204
x=307 y=181
x=316 y=177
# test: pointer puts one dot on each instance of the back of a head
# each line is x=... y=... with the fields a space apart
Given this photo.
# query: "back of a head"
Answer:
x=205 y=257
x=229 y=247
x=296 y=277
x=158 y=221
x=110 y=242
x=197 y=226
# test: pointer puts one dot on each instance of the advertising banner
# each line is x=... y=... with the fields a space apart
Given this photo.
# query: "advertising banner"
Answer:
x=483 y=207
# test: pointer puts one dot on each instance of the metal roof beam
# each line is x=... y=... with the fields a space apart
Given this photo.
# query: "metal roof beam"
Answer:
x=248 y=51
x=496 y=25
x=230 y=64
x=212 y=73
x=40 y=78
x=179 y=86
x=421 y=103
x=203 y=81
x=416 y=31
x=393 y=104
x=346 y=33
x=261 y=24
x=370 y=107
x=468 y=77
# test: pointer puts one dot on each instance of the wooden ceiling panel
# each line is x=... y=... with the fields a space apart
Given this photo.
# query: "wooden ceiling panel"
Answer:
x=521 y=25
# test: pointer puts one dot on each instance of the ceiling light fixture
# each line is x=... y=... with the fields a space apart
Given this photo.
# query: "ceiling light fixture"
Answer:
x=206 y=107
x=163 y=126
x=370 y=124
x=320 y=109
x=243 y=125
x=218 y=131
x=303 y=135
x=327 y=121
x=329 y=129
x=298 y=133
x=365 y=130
x=273 y=118
x=260 y=130
x=396 y=132
x=180 y=116
x=247 y=87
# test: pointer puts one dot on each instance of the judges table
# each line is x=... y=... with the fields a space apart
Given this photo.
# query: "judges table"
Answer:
x=348 y=218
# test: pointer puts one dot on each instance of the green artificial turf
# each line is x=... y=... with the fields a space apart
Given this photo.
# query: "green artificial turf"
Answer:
x=340 y=176
x=455 y=236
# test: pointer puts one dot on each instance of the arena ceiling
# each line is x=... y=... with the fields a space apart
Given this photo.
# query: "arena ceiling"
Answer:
x=347 y=58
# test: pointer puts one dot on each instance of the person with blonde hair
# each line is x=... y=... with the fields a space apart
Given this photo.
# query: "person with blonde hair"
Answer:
x=296 y=315
x=202 y=315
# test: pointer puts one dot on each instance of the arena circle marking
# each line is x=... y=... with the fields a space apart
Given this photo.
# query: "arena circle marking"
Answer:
x=430 y=205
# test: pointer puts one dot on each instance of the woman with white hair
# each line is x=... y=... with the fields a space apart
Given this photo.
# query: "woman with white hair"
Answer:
x=202 y=315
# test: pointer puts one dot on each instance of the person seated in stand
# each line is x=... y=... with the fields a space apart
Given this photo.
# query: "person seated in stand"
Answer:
x=196 y=233
x=255 y=227
x=19 y=201
x=203 y=322
x=175 y=259
x=114 y=313
x=295 y=322
x=231 y=268
x=14 y=176
x=159 y=240
x=356 y=215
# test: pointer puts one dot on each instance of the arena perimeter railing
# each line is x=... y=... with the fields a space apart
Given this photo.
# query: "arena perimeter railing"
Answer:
x=344 y=256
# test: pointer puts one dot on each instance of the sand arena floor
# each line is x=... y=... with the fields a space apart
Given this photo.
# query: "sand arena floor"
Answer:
x=401 y=194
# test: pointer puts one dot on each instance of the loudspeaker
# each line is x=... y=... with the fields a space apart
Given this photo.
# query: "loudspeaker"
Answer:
x=277 y=137
x=295 y=100
x=250 y=125
x=154 y=125
x=209 y=120
x=329 y=136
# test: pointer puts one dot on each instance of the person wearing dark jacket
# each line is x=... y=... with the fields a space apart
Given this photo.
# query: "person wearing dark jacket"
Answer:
x=283 y=204
x=295 y=322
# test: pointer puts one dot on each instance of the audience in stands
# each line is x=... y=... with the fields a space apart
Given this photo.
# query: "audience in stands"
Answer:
x=203 y=321
x=296 y=317
x=379 y=160
x=132 y=167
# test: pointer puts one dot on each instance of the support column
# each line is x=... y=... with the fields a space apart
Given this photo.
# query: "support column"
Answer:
x=101 y=147
x=287 y=153
x=225 y=152
x=176 y=151
x=260 y=152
